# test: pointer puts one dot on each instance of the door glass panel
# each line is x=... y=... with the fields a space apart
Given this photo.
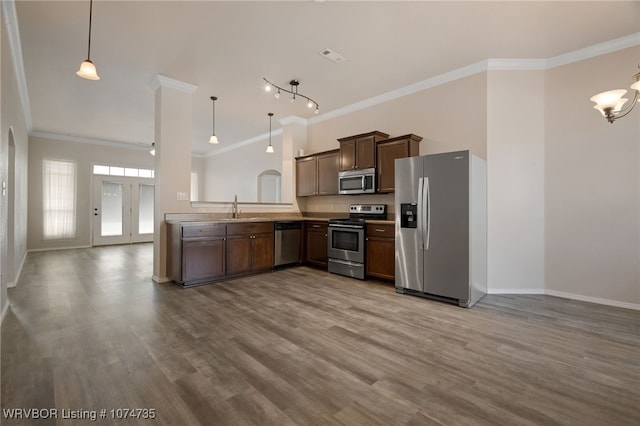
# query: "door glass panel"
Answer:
x=111 y=209
x=145 y=211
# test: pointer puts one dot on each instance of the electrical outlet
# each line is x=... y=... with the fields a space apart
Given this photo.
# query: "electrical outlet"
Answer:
x=182 y=196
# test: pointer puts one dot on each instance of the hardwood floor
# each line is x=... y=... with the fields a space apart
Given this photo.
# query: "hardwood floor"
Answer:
x=89 y=330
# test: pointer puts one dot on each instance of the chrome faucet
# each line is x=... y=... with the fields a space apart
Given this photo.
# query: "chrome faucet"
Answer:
x=234 y=211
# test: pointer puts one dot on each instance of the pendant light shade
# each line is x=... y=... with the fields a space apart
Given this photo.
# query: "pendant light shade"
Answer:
x=87 y=69
x=270 y=147
x=611 y=104
x=213 y=139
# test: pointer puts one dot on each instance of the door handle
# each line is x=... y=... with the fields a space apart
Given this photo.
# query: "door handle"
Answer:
x=428 y=212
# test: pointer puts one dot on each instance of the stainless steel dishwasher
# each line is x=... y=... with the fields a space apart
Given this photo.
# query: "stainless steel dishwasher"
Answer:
x=287 y=242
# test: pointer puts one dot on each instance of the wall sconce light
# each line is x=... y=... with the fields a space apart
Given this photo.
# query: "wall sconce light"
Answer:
x=610 y=103
x=293 y=91
x=152 y=151
x=270 y=147
x=87 y=69
x=213 y=139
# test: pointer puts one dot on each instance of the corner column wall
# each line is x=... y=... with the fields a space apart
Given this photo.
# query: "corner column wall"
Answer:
x=173 y=128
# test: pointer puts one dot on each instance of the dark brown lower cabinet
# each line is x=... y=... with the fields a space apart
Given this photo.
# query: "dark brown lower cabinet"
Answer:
x=208 y=251
x=203 y=259
x=315 y=248
x=381 y=251
x=249 y=247
x=239 y=250
x=196 y=252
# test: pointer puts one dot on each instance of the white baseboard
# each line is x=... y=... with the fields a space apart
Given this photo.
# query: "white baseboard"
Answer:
x=515 y=291
x=599 y=300
x=572 y=296
x=58 y=248
x=160 y=280
x=17 y=276
x=5 y=309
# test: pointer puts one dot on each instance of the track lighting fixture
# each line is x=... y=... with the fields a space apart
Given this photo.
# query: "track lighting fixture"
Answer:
x=270 y=147
x=293 y=91
x=610 y=103
x=87 y=69
x=213 y=139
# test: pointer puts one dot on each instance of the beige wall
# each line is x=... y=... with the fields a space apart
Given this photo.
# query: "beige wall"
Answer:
x=449 y=117
x=198 y=166
x=592 y=183
x=515 y=181
x=13 y=222
x=85 y=155
x=236 y=172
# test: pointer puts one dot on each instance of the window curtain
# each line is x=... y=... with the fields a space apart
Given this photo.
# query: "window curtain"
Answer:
x=59 y=199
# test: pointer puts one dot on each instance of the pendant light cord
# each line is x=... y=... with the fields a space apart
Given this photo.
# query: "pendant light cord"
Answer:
x=90 y=13
x=213 y=115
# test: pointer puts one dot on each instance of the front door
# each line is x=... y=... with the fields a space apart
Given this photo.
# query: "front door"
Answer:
x=122 y=210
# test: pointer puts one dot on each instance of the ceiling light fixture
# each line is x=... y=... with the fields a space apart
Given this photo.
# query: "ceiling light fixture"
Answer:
x=293 y=91
x=610 y=103
x=213 y=139
x=270 y=147
x=152 y=151
x=87 y=69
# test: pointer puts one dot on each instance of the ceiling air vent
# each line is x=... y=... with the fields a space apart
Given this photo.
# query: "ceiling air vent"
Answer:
x=333 y=56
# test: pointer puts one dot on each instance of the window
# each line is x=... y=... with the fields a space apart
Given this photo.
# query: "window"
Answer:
x=122 y=171
x=59 y=199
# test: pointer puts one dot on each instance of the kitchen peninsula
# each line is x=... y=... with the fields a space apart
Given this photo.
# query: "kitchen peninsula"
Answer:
x=206 y=251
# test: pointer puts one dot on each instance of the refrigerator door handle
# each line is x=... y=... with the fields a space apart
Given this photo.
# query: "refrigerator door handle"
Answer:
x=420 y=225
x=427 y=212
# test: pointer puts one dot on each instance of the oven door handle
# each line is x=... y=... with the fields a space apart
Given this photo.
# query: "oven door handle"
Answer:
x=339 y=225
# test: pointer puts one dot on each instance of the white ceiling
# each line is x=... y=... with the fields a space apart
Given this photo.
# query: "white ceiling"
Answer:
x=225 y=48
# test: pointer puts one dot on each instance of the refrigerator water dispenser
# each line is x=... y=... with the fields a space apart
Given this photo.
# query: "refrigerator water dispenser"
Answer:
x=408 y=215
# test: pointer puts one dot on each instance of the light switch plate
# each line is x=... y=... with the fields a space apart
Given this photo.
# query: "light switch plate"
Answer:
x=182 y=196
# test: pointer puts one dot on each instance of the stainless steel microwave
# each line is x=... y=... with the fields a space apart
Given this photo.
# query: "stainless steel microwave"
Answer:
x=361 y=181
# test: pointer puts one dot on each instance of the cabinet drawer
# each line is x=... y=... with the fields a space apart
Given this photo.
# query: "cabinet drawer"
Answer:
x=316 y=226
x=381 y=230
x=249 y=228
x=198 y=231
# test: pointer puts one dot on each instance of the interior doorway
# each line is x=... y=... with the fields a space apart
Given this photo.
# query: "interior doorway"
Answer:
x=9 y=191
x=122 y=210
x=269 y=186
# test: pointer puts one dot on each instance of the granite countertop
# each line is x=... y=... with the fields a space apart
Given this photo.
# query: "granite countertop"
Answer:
x=268 y=219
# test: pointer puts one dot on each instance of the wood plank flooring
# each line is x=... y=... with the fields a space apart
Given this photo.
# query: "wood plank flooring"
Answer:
x=89 y=330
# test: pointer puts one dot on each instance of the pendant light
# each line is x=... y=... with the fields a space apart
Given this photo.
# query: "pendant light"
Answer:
x=213 y=139
x=270 y=147
x=87 y=69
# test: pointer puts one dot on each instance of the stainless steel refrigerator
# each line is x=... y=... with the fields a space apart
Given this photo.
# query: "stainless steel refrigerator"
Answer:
x=441 y=227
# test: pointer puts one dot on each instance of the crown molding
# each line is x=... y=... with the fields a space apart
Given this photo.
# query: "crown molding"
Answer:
x=162 y=81
x=93 y=141
x=293 y=119
x=13 y=33
x=493 y=64
x=500 y=64
x=596 y=50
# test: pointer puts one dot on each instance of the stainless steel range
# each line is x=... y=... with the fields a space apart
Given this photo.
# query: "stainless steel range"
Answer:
x=346 y=239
